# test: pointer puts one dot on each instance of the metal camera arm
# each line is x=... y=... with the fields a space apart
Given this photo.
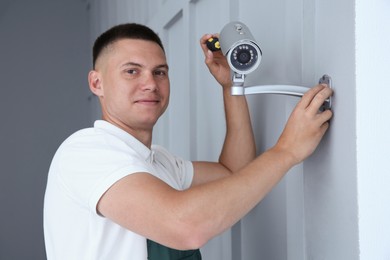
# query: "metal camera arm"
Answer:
x=238 y=88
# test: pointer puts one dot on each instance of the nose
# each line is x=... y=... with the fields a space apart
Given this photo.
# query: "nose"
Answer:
x=149 y=82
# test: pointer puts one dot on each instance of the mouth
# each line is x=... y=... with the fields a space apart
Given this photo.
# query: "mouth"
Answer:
x=148 y=101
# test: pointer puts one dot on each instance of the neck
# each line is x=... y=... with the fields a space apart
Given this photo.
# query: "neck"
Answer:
x=141 y=134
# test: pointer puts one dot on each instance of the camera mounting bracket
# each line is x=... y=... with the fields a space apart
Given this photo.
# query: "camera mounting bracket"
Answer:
x=238 y=84
x=238 y=89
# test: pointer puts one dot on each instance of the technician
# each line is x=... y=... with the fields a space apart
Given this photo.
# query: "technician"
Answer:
x=111 y=194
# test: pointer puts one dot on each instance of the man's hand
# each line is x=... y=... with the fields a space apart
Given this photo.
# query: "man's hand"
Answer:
x=306 y=125
x=216 y=62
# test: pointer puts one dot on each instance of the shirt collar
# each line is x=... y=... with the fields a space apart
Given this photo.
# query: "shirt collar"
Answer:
x=134 y=143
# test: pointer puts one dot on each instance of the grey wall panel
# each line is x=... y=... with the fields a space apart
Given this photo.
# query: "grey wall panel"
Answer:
x=44 y=63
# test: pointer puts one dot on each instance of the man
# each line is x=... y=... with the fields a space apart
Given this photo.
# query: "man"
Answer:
x=111 y=194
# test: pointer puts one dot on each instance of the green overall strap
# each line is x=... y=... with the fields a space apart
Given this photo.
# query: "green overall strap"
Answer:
x=160 y=252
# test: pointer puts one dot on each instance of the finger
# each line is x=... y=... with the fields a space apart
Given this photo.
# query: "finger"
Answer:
x=209 y=60
x=324 y=127
x=325 y=116
x=203 y=41
x=319 y=99
x=207 y=36
x=204 y=38
x=309 y=95
x=211 y=42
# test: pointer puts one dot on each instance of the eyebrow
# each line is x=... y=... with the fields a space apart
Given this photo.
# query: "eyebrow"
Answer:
x=165 y=66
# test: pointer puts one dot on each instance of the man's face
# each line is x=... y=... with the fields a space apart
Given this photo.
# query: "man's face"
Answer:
x=134 y=83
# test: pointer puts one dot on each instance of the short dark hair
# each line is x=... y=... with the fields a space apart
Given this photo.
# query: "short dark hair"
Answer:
x=123 y=31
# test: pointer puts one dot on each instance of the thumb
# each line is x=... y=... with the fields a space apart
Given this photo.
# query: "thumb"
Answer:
x=209 y=54
x=209 y=57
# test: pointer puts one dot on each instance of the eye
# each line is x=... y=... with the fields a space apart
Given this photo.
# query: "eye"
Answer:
x=131 y=71
x=161 y=73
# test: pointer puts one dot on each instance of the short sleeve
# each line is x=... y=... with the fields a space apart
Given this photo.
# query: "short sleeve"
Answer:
x=180 y=169
x=88 y=167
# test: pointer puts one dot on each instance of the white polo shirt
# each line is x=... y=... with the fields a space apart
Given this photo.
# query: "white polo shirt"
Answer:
x=84 y=167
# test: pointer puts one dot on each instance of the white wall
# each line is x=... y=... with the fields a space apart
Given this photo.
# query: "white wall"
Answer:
x=373 y=126
x=44 y=61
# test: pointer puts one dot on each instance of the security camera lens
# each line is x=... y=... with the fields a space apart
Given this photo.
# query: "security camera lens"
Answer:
x=243 y=56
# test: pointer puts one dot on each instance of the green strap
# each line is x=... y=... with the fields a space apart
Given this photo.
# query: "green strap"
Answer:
x=157 y=251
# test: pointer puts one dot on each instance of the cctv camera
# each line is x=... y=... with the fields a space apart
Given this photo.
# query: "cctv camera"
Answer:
x=238 y=45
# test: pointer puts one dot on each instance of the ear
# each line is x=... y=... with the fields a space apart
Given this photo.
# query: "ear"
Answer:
x=95 y=83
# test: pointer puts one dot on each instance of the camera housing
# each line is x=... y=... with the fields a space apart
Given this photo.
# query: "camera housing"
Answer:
x=240 y=48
